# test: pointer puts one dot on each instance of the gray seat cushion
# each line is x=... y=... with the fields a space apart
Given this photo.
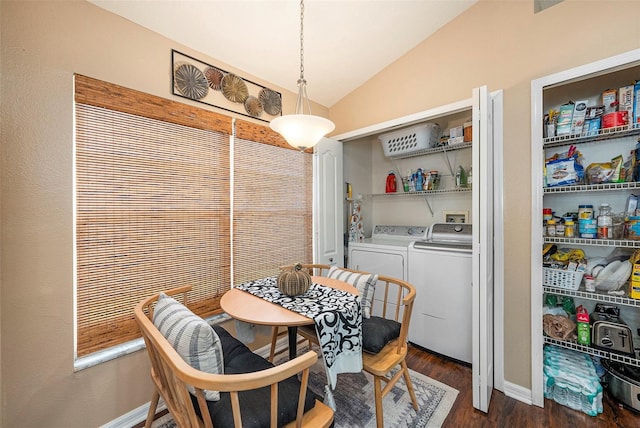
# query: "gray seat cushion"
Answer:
x=377 y=332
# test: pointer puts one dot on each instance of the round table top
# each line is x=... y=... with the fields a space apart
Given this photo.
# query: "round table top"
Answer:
x=246 y=307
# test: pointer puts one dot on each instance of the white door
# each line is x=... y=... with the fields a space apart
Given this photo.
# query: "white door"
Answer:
x=328 y=203
x=482 y=263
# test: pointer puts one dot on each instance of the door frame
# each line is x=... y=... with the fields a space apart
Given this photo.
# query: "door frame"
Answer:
x=455 y=107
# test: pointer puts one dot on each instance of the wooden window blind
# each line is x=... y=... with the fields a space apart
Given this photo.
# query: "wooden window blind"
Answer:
x=152 y=208
x=272 y=209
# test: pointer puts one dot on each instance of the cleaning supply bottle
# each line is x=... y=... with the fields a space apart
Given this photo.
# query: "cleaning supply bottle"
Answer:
x=461 y=178
x=419 y=180
x=391 y=183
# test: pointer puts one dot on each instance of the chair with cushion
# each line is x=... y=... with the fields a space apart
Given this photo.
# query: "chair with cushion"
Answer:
x=208 y=378
x=385 y=326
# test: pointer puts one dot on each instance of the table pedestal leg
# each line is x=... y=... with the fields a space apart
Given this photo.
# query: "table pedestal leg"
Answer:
x=293 y=342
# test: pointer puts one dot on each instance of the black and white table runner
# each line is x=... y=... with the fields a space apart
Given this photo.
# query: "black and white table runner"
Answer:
x=338 y=319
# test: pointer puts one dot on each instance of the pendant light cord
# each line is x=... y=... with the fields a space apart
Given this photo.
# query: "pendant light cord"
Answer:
x=302 y=40
x=303 y=98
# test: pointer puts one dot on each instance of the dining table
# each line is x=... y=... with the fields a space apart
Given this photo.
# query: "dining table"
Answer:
x=251 y=309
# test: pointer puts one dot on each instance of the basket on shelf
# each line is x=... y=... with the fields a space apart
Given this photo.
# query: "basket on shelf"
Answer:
x=412 y=140
x=560 y=278
x=295 y=281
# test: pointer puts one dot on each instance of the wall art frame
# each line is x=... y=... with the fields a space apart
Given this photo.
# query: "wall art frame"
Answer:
x=199 y=81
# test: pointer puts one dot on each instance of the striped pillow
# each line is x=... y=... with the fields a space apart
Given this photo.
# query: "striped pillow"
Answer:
x=191 y=336
x=365 y=283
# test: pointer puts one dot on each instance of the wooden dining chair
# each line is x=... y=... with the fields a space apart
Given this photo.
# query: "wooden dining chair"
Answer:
x=384 y=335
x=393 y=305
x=250 y=387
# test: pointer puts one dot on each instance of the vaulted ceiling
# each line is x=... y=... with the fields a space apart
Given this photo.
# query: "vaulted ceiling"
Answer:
x=346 y=42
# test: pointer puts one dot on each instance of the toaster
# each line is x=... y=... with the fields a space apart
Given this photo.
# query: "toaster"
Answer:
x=613 y=336
x=610 y=332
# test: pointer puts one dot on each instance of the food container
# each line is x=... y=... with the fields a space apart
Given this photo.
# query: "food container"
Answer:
x=585 y=212
x=617 y=118
x=468 y=132
x=588 y=228
x=633 y=228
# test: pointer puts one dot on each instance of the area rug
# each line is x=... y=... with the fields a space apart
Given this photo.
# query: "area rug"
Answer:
x=355 y=401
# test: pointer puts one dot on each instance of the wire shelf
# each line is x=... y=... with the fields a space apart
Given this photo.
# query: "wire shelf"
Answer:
x=593 y=295
x=593 y=351
x=602 y=134
x=592 y=187
x=625 y=243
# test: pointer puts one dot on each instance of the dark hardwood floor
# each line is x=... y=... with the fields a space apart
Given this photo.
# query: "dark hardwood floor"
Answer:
x=508 y=412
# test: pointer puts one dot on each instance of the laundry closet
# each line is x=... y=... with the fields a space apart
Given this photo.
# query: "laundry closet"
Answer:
x=394 y=233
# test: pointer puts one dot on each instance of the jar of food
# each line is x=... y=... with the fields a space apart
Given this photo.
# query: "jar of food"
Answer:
x=605 y=222
x=551 y=228
x=585 y=212
x=560 y=229
x=569 y=229
x=547 y=214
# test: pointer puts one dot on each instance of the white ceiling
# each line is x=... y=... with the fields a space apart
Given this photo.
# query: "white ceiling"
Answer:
x=346 y=42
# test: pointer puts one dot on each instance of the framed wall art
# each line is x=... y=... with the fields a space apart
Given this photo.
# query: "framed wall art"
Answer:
x=198 y=81
x=455 y=216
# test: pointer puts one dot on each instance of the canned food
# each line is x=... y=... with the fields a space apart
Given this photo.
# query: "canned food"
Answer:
x=588 y=228
x=633 y=228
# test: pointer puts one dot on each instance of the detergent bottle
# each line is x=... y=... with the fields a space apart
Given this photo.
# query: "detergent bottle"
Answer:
x=391 y=183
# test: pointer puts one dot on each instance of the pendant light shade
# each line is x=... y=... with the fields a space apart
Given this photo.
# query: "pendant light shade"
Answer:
x=302 y=130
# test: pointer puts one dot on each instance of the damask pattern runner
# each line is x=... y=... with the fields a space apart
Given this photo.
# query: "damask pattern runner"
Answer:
x=338 y=319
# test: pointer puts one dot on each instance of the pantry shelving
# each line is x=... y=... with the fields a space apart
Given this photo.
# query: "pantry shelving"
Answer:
x=598 y=147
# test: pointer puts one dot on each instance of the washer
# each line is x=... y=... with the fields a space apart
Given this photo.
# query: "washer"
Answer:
x=385 y=252
x=440 y=268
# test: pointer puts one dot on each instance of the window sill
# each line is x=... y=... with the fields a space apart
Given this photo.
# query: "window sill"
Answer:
x=126 y=349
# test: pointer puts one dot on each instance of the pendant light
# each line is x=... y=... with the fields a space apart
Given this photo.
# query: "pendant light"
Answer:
x=302 y=129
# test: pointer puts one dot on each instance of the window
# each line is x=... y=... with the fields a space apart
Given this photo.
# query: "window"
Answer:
x=152 y=210
x=272 y=220
x=153 y=206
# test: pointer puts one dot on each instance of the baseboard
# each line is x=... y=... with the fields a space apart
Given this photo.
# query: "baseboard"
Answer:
x=134 y=417
x=518 y=392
